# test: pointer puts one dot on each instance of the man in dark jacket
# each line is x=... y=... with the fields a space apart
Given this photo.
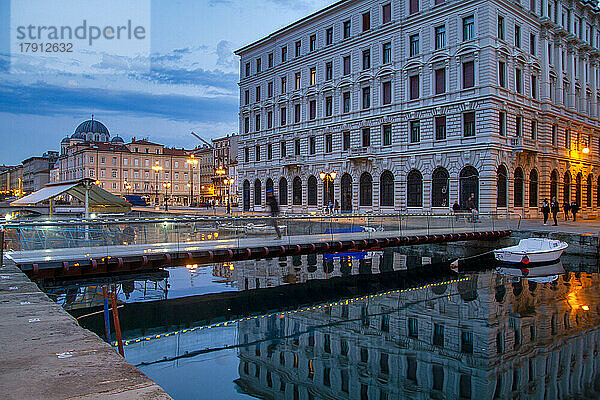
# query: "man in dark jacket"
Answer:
x=574 y=209
x=555 y=208
x=274 y=211
x=566 y=208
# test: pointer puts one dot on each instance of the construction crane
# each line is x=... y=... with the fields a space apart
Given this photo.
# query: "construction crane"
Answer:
x=200 y=138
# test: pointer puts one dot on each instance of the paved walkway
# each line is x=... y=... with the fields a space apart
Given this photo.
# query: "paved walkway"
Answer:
x=580 y=226
x=45 y=354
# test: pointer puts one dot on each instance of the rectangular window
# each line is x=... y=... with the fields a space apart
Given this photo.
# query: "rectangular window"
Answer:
x=329 y=36
x=297 y=147
x=247 y=69
x=438 y=335
x=415 y=131
x=517 y=36
x=502 y=123
x=346 y=102
x=387 y=13
x=501 y=28
x=468 y=74
x=269 y=119
x=534 y=91
x=568 y=138
x=297 y=113
x=440 y=37
x=466 y=342
x=532 y=44
x=298 y=48
x=387 y=92
x=258 y=65
x=413 y=328
x=257 y=97
x=468 y=28
x=313 y=42
x=246 y=155
x=345 y=140
x=469 y=124
x=347 y=29
x=283 y=149
x=440 y=128
x=283 y=116
x=534 y=129
x=387 y=53
x=328 y=71
x=312 y=107
x=283 y=84
x=328 y=106
x=346 y=60
x=554 y=135
x=297 y=78
x=269 y=151
x=328 y=143
x=313 y=76
x=414 y=87
x=246 y=97
x=440 y=80
x=270 y=60
x=366 y=97
x=413 y=7
x=519 y=80
x=257 y=122
x=366 y=21
x=366 y=137
x=414 y=45
x=270 y=89
x=257 y=153
x=312 y=145
x=366 y=59
x=502 y=74
x=284 y=54
x=246 y=125
x=387 y=135
x=519 y=126
x=411 y=369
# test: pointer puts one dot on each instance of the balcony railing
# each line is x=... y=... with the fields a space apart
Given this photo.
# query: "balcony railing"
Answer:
x=521 y=144
x=361 y=153
x=293 y=161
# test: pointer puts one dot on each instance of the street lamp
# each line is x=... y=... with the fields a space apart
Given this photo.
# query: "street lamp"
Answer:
x=157 y=168
x=327 y=177
x=191 y=162
x=228 y=183
x=220 y=172
x=167 y=186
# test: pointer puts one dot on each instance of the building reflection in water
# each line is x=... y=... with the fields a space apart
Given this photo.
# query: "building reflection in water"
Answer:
x=483 y=338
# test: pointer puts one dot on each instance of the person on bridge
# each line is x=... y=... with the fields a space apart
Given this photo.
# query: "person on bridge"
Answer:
x=546 y=210
x=274 y=211
x=555 y=208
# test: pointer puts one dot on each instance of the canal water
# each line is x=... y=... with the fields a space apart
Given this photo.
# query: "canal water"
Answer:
x=390 y=324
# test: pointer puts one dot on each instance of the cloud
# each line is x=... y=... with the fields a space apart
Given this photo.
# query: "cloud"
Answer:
x=45 y=99
x=225 y=58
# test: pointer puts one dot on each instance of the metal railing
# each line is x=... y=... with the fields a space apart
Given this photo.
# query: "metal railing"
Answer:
x=237 y=231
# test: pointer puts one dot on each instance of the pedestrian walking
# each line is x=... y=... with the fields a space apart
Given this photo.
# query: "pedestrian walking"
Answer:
x=545 y=210
x=336 y=207
x=574 y=209
x=555 y=208
x=566 y=209
x=456 y=210
x=274 y=211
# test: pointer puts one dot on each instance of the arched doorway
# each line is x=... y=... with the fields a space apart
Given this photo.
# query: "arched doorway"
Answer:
x=312 y=191
x=567 y=187
x=501 y=181
x=518 y=190
x=386 y=189
x=554 y=185
x=246 y=195
x=578 y=180
x=439 y=187
x=257 y=193
x=297 y=191
x=268 y=186
x=414 y=186
x=588 y=197
x=533 y=188
x=283 y=192
x=366 y=190
x=346 y=191
x=469 y=185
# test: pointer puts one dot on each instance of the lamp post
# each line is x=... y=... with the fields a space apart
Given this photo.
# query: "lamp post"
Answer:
x=192 y=161
x=228 y=183
x=220 y=172
x=156 y=168
x=327 y=177
x=167 y=186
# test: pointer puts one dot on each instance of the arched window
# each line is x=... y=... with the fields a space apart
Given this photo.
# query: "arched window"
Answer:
x=533 y=188
x=554 y=185
x=346 y=192
x=518 y=191
x=297 y=191
x=469 y=185
x=501 y=179
x=439 y=187
x=312 y=191
x=246 y=195
x=386 y=189
x=283 y=192
x=567 y=187
x=257 y=194
x=588 y=197
x=578 y=179
x=268 y=186
x=366 y=190
x=414 y=185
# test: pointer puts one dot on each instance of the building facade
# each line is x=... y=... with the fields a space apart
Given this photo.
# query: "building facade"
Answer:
x=11 y=180
x=225 y=151
x=36 y=171
x=417 y=104
x=140 y=167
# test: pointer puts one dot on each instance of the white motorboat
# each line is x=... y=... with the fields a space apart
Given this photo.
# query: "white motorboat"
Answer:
x=545 y=273
x=533 y=250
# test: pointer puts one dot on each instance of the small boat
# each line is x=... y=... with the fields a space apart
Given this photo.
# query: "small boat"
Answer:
x=544 y=273
x=533 y=250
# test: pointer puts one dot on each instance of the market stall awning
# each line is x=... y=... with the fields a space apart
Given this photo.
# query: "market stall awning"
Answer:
x=100 y=200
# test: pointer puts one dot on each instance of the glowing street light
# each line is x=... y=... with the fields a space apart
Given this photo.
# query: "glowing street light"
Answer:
x=156 y=168
x=586 y=150
x=192 y=161
x=327 y=177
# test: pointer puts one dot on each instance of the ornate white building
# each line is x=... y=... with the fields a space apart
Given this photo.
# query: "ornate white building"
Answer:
x=416 y=104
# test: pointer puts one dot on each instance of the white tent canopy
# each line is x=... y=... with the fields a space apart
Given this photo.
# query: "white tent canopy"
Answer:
x=98 y=199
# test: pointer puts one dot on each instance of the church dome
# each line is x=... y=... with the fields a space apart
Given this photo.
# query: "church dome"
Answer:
x=117 y=139
x=65 y=140
x=91 y=126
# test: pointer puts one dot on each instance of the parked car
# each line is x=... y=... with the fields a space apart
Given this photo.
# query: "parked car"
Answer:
x=136 y=200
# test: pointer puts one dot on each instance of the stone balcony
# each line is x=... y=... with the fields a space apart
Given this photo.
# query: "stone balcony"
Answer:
x=362 y=153
x=521 y=144
x=293 y=161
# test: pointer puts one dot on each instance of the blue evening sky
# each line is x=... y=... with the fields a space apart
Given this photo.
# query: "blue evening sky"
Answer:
x=191 y=83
